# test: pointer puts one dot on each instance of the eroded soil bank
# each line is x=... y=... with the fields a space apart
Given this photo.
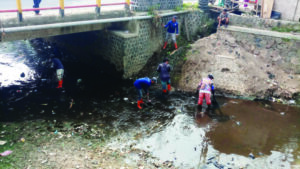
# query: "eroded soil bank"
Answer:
x=244 y=65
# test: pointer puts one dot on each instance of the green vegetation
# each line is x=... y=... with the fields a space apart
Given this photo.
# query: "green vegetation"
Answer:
x=208 y=27
x=152 y=10
x=287 y=28
x=187 y=6
x=286 y=40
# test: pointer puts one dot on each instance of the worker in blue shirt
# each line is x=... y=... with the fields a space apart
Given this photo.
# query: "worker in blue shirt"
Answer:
x=59 y=71
x=172 y=32
x=143 y=84
x=164 y=71
x=36 y=4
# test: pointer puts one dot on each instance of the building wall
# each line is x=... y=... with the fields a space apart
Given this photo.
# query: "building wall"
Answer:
x=287 y=9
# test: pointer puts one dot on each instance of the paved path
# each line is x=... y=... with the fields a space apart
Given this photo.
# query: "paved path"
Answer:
x=11 y=4
x=262 y=32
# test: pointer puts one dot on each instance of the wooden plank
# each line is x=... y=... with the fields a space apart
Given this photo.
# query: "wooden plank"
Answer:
x=267 y=7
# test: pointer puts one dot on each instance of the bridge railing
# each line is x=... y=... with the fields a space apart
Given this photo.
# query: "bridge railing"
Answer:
x=62 y=8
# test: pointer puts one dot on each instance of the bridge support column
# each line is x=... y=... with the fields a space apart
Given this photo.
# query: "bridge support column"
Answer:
x=19 y=6
x=98 y=8
x=62 y=8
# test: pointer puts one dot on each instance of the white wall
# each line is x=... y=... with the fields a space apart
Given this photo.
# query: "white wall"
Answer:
x=287 y=9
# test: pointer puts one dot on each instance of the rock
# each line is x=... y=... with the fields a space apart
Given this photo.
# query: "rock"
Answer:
x=45 y=161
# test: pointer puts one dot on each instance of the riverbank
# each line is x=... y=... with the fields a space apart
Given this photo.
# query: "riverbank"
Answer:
x=262 y=69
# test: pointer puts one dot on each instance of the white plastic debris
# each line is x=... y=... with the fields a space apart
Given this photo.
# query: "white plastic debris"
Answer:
x=125 y=98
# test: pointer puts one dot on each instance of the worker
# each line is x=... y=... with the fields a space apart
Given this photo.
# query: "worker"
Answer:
x=143 y=84
x=172 y=32
x=59 y=71
x=223 y=18
x=205 y=88
x=164 y=70
x=36 y=4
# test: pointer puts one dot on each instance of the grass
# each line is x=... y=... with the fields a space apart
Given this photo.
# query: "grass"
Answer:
x=152 y=10
x=187 y=6
x=287 y=28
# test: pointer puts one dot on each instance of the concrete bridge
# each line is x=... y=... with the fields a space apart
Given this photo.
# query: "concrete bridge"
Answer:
x=19 y=24
x=126 y=35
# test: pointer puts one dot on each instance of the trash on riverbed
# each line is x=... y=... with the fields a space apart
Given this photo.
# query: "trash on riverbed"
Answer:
x=22 y=140
x=56 y=132
x=238 y=123
x=6 y=153
x=251 y=156
x=292 y=102
x=53 y=112
x=282 y=113
x=125 y=98
x=2 y=142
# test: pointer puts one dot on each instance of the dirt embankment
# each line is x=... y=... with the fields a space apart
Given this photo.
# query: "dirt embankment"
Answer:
x=244 y=65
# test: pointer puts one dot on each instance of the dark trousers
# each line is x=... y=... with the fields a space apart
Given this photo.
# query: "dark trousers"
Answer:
x=36 y=4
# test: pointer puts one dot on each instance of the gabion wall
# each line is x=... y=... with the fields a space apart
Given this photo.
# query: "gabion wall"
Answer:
x=131 y=53
x=145 y=5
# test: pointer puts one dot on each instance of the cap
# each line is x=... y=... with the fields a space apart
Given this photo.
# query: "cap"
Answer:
x=210 y=76
x=225 y=10
x=165 y=59
x=175 y=17
x=154 y=80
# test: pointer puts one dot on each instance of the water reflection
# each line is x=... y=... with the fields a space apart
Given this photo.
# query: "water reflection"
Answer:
x=14 y=67
x=249 y=136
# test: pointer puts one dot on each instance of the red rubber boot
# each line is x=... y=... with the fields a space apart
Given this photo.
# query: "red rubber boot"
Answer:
x=139 y=102
x=169 y=87
x=176 y=47
x=165 y=45
x=60 y=83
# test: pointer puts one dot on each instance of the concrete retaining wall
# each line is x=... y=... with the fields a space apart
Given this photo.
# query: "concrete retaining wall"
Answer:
x=137 y=47
x=144 y=5
x=259 y=23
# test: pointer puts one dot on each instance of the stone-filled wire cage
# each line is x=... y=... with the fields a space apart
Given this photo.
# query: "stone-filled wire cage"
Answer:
x=145 y=5
x=203 y=5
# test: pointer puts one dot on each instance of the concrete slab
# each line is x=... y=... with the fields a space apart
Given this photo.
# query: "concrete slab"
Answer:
x=262 y=32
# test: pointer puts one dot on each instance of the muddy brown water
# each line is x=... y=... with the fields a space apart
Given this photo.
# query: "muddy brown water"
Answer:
x=237 y=134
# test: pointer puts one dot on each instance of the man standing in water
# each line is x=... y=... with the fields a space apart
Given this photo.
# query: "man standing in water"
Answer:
x=59 y=71
x=164 y=70
x=37 y=5
x=205 y=88
x=143 y=84
x=172 y=32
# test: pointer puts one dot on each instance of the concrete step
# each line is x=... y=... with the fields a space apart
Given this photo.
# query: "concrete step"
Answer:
x=262 y=32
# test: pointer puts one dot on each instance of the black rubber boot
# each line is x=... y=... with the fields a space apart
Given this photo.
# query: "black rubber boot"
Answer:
x=199 y=107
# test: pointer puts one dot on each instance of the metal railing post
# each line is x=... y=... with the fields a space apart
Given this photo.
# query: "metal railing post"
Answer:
x=98 y=8
x=19 y=6
x=127 y=5
x=62 y=8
